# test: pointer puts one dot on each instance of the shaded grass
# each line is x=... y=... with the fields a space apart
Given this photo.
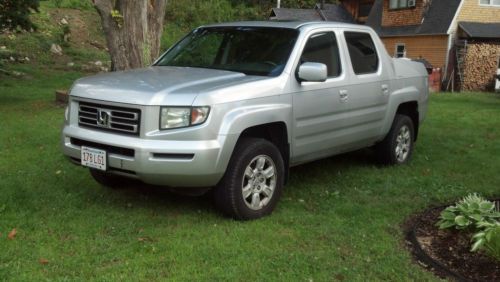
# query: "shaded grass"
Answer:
x=338 y=219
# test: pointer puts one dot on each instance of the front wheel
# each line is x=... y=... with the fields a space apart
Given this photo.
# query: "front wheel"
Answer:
x=397 y=146
x=253 y=182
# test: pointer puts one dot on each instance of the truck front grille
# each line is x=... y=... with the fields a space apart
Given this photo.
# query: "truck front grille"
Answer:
x=109 y=118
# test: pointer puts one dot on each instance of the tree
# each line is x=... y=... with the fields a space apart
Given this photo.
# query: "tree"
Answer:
x=133 y=30
x=14 y=14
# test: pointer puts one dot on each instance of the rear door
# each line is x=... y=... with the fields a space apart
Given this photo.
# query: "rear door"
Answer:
x=368 y=89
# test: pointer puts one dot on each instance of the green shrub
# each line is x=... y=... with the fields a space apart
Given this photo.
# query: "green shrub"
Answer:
x=57 y=3
x=481 y=216
x=488 y=239
x=469 y=211
x=71 y=4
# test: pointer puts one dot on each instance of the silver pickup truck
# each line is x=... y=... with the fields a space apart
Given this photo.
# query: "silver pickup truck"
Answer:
x=233 y=106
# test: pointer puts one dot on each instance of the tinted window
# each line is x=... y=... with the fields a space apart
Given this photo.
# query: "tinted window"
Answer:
x=250 y=50
x=323 y=48
x=363 y=53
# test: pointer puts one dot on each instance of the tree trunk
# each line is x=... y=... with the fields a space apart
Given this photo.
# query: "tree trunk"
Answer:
x=133 y=30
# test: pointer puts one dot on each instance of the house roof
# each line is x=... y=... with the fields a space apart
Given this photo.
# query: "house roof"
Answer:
x=337 y=13
x=437 y=20
x=481 y=30
x=286 y=14
x=331 y=12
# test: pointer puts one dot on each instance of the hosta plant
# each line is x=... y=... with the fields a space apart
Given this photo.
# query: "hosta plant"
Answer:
x=478 y=215
x=488 y=239
x=470 y=211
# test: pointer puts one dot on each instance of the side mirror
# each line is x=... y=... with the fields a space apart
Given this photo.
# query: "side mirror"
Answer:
x=313 y=72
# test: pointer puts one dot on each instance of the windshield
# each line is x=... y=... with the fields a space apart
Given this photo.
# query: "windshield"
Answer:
x=251 y=50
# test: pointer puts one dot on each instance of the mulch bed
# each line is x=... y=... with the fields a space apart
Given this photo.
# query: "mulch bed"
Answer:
x=447 y=252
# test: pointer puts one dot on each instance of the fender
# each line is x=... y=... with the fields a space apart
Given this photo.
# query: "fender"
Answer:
x=398 y=97
x=241 y=118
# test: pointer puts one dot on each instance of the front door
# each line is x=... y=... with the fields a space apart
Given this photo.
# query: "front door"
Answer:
x=319 y=108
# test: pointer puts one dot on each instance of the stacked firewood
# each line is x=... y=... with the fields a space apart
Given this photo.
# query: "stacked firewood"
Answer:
x=481 y=63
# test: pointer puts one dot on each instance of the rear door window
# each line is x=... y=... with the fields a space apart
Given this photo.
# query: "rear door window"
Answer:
x=364 y=58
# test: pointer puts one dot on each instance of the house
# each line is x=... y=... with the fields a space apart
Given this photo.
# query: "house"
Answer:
x=476 y=49
x=436 y=30
x=459 y=37
x=415 y=28
x=349 y=11
x=321 y=12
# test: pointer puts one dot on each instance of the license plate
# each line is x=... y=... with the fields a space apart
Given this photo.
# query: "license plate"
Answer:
x=94 y=158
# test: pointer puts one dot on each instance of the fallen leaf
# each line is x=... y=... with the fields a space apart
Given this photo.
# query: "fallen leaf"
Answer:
x=43 y=261
x=145 y=239
x=12 y=234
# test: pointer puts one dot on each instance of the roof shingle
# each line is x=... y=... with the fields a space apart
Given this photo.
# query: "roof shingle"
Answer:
x=481 y=30
x=437 y=20
x=331 y=12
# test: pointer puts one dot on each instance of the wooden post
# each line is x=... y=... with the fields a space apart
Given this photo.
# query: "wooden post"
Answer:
x=61 y=97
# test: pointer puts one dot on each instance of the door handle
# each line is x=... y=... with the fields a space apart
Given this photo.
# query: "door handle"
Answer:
x=385 y=89
x=344 y=96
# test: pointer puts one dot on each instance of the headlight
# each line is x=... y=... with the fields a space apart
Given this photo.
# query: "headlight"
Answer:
x=177 y=117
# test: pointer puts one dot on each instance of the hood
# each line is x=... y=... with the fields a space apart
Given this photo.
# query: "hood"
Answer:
x=155 y=85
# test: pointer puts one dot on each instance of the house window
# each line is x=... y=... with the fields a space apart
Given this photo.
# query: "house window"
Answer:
x=401 y=4
x=489 y=2
x=400 y=50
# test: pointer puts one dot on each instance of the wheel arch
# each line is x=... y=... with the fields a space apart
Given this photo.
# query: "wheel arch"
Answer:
x=269 y=122
x=410 y=109
x=404 y=101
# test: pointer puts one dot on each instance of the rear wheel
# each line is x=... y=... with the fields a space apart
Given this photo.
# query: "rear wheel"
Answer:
x=397 y=146
x=106 y=179
x=253 y=182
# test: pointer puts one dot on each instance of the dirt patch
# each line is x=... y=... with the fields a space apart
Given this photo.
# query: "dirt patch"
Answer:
x=447 y=252
x=85 y=28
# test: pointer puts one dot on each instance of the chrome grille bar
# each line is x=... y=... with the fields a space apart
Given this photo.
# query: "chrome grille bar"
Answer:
x=109 y=118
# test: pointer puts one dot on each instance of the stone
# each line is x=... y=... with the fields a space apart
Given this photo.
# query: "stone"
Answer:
x=56 y=49
x=71 y=64
x=98 y=63
x=64 y=21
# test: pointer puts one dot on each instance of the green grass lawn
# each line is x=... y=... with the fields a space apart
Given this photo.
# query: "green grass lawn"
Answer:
x=339 y=218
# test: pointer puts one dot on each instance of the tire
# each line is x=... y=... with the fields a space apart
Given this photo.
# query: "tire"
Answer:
x=246 y=191
x=106 y=179
x=397 y=146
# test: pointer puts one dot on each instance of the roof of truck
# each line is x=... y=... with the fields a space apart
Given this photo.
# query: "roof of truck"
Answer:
x=289 y=24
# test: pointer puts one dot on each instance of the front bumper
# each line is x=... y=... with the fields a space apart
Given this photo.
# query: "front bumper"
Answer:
x=159 y=162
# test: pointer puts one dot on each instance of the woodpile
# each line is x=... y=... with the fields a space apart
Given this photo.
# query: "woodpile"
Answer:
x=481 y=63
